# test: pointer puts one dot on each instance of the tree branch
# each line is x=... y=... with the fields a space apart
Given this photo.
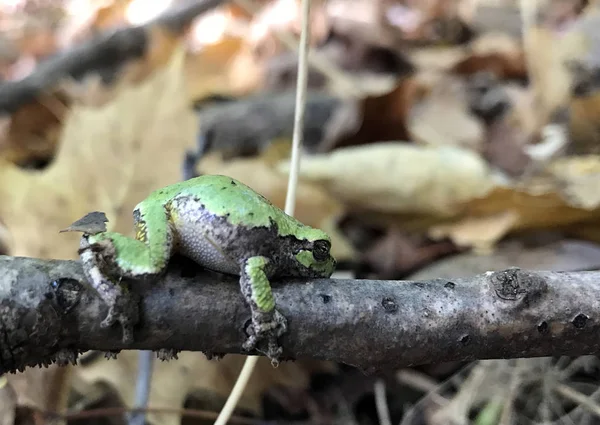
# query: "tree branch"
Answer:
x=47 y=312
x=103 y=52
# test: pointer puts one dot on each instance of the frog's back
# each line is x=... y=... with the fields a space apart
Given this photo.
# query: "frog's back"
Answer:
x=226 y=197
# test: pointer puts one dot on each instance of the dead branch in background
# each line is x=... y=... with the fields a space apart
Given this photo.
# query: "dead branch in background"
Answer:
x=50 y=314
x=105 y=51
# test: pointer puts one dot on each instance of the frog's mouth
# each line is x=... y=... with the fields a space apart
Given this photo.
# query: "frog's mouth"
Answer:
x=323 y=269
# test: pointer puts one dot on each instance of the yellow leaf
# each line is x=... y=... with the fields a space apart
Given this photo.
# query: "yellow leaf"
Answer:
x=109 y=159
x=400 y=177
x=482 y=233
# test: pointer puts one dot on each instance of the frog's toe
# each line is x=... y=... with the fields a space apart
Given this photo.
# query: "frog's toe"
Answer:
x=250 y=343
x=166 y=354
x=109 y=320
x=125 y=312
x=274 y=351
x=280 y=323
x=266 y=328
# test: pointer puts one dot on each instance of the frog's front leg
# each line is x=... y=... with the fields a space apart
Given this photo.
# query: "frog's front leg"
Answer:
x=267 y=323
x=108 y=257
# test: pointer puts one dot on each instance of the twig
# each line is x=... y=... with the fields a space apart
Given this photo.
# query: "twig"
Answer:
x=143 y=386
x=579 y=398
x=48 y=312
x=381 y=403
x=108 y=50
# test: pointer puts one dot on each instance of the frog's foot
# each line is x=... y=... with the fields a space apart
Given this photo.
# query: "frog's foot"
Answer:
x=266 y=327
x=124 y=311
x=122 y=306
x=166 y=354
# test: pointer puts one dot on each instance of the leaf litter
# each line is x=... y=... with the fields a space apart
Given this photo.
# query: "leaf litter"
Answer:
x=481 y=140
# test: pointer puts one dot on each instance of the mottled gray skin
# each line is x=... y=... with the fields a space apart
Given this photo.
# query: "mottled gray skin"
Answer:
x=237 y=243
x=226 y=249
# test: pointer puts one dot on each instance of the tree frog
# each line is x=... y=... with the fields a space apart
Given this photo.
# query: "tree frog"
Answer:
x=221 y=224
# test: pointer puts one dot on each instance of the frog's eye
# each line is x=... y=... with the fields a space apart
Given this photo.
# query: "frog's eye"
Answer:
x=321 y=250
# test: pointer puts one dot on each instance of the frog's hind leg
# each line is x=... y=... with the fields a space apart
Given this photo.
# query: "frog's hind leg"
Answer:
x=108 y=257
x=267 y=323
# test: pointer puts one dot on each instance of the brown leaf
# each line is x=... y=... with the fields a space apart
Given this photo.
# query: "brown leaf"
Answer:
x=443 y=117
x=227 y=67
x=162 y=43
x=584 y=114
x=398 y=252
x=508 y=136
x=385 y=116
x=151 y=120
x=482 y=233
x=33 y=130
x=430 y=21
x=548 y=59
x=42 y=389
x=499 y=54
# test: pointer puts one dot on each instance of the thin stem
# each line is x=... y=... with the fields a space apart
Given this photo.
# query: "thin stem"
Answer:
x=142 y=389
x=301 y=87
x=237 y=391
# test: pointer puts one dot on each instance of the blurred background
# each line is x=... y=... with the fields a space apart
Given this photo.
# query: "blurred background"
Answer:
x=443 y=138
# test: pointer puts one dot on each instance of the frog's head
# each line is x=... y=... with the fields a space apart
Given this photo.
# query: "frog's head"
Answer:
x=314 y=258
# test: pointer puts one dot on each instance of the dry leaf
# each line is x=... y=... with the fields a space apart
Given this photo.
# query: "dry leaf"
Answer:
x=398 y=177
x=498 y=53
x=8 y=402
x=384 y=116
x=445 y=183
x=511 y=134
x=481 y=233
x=42 y=389
x=159 y=50
x=443 y=117
x=548 y=57
x=577 y=180
x=149 y=121
x=174 y=381
x=399 y=252
x=226 y=68
x=33 y=130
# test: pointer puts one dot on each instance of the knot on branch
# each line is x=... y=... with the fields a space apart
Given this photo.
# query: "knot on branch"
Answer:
x=31 y=326
x=519 y=285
